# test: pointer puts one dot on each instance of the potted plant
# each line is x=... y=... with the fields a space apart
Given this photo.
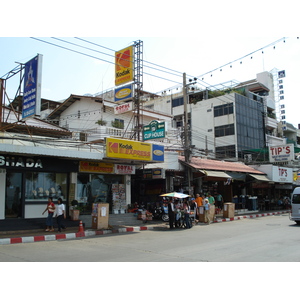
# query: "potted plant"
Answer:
x=101 y=122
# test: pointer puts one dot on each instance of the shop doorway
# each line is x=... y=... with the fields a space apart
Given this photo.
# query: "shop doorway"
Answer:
x=13 y=195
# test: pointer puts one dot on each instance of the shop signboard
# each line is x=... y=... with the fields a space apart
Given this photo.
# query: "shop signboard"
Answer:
x=127 y=149
x=124 y=93
x=154 y=130
x=133 y=150
x=96 y=167
x=283 y=153
x=123 y=108
x=124 y=169
x=31 y=105
x=279 y=174
x=124 y=65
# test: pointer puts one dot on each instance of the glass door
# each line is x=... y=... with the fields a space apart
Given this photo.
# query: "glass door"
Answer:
x=13 y=195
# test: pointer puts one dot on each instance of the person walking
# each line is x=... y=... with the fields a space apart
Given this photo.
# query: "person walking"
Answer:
x=51 y=209
x=186 y=210
x=206 y=211
x=220 y=201
x=60 y=214
x=211 y=199
x=199 y=201
x=171 y=213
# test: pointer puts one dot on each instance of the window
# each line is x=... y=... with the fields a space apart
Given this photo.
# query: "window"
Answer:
x=39 y=186
x=222 y=110
x=226 y=151
x=177 y=102
x=296 y=199
x=224 y=130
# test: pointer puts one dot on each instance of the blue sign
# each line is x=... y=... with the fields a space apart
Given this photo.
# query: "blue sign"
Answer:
x=158 y=153
x=32 y=88
x=124 y=93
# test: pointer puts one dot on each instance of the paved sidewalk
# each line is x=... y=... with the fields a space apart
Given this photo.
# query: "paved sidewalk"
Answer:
x=117 y=224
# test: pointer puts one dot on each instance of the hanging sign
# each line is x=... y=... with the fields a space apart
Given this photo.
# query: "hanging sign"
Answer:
x=154 y=130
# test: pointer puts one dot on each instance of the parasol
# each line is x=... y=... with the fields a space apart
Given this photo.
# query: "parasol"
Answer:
x=175 y=195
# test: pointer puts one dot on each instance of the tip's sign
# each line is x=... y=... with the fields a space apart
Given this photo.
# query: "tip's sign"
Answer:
x=282 y=153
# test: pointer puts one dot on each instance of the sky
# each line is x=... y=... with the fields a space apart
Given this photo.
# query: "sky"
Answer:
x=165 y=59
x=193 y=38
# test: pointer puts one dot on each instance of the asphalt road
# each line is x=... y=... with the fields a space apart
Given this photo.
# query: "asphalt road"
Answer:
x=265 y=239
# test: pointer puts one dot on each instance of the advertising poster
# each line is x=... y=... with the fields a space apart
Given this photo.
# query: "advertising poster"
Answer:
x=32 y=87
x=128 y=149
x=124 y=65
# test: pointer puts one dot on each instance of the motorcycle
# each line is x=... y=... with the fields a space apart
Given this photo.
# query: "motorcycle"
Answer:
x=161 y=213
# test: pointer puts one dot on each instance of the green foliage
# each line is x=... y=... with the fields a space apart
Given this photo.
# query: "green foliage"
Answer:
x=101 y=122
x=117 y=124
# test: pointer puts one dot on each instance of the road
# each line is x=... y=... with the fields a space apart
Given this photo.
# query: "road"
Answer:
x=265 y=239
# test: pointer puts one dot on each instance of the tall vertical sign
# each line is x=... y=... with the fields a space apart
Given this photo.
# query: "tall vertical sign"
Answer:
x=281 y=74
x=124 y=65
x=32 y=87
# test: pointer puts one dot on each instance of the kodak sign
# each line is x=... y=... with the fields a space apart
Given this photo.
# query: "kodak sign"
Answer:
x=124 y=65
x=127 y=149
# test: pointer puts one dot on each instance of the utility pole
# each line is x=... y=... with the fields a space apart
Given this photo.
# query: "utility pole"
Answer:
x=186 y=129
x=187 y=141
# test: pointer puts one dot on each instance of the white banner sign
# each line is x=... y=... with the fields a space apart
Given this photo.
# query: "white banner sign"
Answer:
x=281 y=153
x=123 y=108
x=124 y=169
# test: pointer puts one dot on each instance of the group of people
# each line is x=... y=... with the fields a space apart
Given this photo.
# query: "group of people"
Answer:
x=175 y=207
x=55 y=210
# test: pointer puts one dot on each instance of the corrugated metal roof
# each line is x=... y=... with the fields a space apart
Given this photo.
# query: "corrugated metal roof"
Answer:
x=219 y=165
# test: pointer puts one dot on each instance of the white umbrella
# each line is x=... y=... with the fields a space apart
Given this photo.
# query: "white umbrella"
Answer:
x=175 y=195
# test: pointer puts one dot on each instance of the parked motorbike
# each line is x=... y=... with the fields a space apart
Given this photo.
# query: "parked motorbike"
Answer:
x=160 y=213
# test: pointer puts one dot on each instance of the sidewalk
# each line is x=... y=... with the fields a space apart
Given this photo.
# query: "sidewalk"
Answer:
x=14 y=231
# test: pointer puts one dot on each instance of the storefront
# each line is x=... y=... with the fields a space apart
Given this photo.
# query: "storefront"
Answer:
x=280 y=183
x=103 y=182
x=27 y=182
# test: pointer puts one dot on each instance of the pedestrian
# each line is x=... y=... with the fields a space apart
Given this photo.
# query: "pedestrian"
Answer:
x=194 y=209
x=60 y=214
x=171 y=213
x=187 y=210
x=51 y=209
x=220 y=201
x=211 y=199
x=199 y=201
x=177 y=212
x=206 y=211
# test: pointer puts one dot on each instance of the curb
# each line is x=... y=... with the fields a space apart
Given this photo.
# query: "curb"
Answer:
x=251 y=216
x=65 y=236
x=90 y=233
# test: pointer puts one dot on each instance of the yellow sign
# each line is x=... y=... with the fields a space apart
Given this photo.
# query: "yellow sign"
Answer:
x=124 y=65
x=118 y=148
x=96 y=167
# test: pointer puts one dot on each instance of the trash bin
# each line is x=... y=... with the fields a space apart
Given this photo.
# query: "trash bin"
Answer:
x=228 y=210
x=100 y=215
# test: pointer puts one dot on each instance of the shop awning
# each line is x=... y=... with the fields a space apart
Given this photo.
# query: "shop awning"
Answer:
x=210 y=173
x=260 y=177
x=237 y=176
